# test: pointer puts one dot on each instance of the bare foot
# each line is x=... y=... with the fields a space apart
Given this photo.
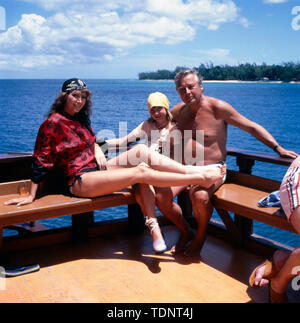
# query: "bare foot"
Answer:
x=195 y=247
x=182 y=242
x=213 y=175
x=279 y=259
x=259 y=279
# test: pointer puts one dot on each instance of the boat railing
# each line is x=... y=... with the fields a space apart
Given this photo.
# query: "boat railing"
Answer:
x=16 y=166
x=245 y=161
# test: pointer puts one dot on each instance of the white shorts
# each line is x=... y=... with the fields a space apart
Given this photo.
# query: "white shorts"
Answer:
x=290 y=190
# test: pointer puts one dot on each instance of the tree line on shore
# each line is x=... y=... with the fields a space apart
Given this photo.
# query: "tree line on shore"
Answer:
x=285 y=72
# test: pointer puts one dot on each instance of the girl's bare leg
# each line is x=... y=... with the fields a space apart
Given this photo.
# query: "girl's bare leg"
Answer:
x=145 y=196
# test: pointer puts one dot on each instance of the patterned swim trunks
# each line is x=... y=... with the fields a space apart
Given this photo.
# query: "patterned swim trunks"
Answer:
x=290 y=190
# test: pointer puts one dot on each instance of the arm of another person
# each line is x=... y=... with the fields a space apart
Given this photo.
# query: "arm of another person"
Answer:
x=100 y=157
x=227 y=113
x=135 y=135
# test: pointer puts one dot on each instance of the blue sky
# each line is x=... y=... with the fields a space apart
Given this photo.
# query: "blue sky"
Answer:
x=120 y=38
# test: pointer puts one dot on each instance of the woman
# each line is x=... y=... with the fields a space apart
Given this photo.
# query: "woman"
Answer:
x=66 y=142
x=284 y=266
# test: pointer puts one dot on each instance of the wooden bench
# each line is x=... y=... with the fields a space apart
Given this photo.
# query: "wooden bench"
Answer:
x=54 y=205
x=240 y=195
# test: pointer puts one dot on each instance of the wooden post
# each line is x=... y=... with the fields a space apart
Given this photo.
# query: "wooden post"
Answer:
x=80 y=225
x=244 y=225
x=136 y=222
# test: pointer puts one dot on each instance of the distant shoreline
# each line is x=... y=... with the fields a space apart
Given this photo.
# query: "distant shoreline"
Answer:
x=224 y=81
x=238 y=81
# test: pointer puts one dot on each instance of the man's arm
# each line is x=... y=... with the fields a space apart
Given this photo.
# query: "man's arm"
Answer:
x=227 y=113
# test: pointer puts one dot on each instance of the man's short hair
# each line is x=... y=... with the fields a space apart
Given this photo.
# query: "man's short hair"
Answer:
x=184 y=72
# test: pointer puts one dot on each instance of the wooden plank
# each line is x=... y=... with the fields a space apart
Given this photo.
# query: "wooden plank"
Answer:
x=58 y=205
x=243 y=201
x=263 y=184
x=13 y=157
x=259 y=156
x=114 y=199
x=46 y=207
x=13 y=187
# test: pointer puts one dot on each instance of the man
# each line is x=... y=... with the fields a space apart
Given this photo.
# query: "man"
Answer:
x=200 y=112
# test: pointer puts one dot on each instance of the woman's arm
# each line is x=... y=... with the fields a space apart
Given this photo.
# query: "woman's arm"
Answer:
x=43 y=160
x=25 y=199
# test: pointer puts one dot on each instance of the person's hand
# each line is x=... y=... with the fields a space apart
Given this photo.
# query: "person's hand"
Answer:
x=20 y=200
x=101 y=161
x=100 y=157
x=286 y=153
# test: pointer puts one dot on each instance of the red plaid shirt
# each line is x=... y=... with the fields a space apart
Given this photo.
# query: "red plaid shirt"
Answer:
x=64 y=144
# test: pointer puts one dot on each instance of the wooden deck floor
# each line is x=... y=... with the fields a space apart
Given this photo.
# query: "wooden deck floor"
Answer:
x=124 y=269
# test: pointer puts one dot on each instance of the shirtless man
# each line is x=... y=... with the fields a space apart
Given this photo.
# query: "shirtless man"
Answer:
x=211 y=115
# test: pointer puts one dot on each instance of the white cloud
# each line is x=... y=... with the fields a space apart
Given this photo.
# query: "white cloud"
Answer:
x=275 y=1
x=93 y=31
x=198 y=12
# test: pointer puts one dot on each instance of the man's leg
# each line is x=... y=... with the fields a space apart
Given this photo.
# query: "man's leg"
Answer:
x=202 y=209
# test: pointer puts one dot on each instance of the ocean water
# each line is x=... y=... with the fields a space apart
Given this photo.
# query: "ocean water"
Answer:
x=24 y=103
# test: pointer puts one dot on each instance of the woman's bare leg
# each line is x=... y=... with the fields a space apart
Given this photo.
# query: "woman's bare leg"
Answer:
x=142 y=154
x=105 y=182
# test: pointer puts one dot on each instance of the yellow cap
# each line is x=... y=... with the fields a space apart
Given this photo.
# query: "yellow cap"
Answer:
x=157 y=99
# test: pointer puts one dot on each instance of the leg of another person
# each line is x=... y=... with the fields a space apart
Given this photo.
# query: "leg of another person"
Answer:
x=169 y=208
x=202 y=209
x=288 y=271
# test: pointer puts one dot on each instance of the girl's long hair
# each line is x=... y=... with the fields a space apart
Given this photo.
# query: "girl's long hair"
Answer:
x=83 y=116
